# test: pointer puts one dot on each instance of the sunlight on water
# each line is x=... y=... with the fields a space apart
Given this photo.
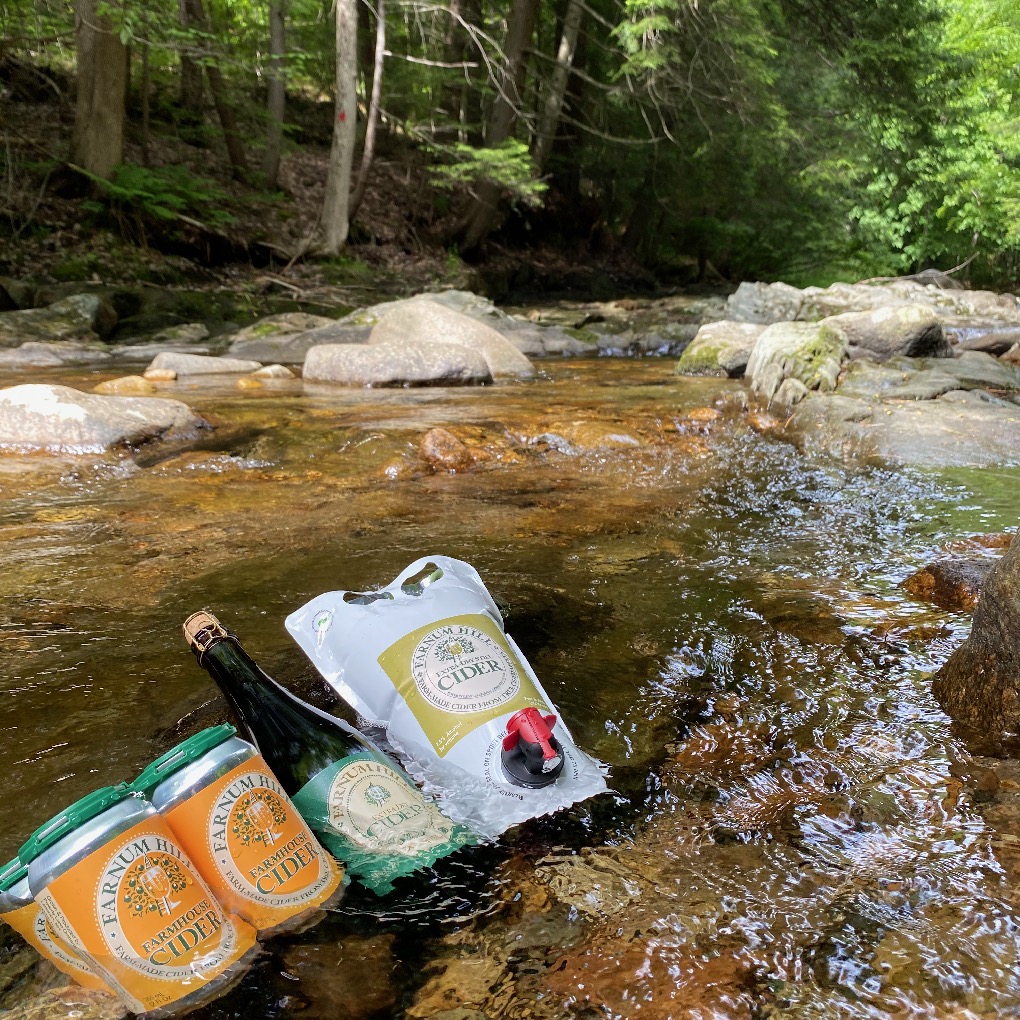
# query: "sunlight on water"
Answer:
x=718 y=619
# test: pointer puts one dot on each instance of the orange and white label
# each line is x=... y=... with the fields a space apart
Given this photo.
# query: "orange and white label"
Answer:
x=254 y=848
x=140 y=912
x=31 y=924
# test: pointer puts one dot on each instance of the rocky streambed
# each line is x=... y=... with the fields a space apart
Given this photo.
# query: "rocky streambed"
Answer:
x=713 y=595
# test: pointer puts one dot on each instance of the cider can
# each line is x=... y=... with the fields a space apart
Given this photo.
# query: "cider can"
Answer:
x=232 y=817
x=117 y=886
x=19 y=909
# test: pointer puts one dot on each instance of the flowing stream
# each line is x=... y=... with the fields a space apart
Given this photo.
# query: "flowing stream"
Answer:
x=719 y=618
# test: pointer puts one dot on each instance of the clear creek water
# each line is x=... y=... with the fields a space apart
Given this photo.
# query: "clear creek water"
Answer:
x=719 y=619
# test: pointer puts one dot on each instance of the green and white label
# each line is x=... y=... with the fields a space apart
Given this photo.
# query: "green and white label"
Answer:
x=456 y=675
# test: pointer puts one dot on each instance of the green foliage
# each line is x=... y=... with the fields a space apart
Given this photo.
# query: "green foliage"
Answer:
x=167 y=195
x=508 y=166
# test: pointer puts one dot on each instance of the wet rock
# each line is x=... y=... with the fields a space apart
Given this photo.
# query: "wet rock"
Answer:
x=1012 y=356
x=908 y=330
x=584 y=435
x=643 y=976
x=349 y=979
x=443 y=451
x=127 y=386
x=536 y=341
x=423 y=321
x=186 y=333
x=395 y=364
x=200 y=364
x=975 y=369
x=809 y=352
x=59 y=419
x=466 y=981
x=36 y=354
x=980 y=684
x=278 y=337
x=159 y=374
x=248 y=382
x=79 y=317
x=70 y=1001
x=864 y=379
x=792 y=391
x=273 y=372
x=928 y=433
x=720 y=349
x=924 y=385
x=951 y=583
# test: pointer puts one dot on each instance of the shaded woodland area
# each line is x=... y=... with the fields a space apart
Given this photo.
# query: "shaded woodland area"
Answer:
x=718 y=139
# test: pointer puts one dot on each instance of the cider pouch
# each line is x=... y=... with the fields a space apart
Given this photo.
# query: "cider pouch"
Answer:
x=427 y=660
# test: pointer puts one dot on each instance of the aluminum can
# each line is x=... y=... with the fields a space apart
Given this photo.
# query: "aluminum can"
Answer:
x=116 y=885
x=234 y=820
x=19 y=909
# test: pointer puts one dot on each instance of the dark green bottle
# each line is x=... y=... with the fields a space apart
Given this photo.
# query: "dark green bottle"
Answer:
x=360 y=802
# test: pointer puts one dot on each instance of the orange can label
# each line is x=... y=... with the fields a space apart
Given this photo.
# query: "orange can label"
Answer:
x=137 y=909
x=254 y=848
x=31 y=924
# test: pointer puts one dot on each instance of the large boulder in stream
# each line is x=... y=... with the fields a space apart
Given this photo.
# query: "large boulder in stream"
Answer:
x=720 y=349
x=980 y=684
x=81 y=317
x=911 y=331
x=395 y=364
x=809 y=352
x=424 y=321
x=59 y=419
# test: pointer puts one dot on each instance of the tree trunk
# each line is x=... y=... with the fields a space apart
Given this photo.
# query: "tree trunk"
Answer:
x=482 y=213
x=277 y=92
x=97 y=144
x=372 y=121
x=191 y=76
x=336 y=203
x=557 y=88
x=146 y=88
x=225 y=112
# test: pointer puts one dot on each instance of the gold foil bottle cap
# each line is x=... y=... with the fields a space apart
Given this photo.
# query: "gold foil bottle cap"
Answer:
x=201 y=629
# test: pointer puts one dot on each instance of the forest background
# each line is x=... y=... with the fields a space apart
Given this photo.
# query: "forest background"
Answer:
x=714 y=140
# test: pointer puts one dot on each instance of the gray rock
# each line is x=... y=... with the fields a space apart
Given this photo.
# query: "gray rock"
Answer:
x=59 y=419
x=395 y=364
x=199 y=364
x=866 y=380
x=992 y=341
x=763 y=303
x=424 y=321
x=924 y=385
x=975 y=369
x=146 y=352
x=810 y=352
x=979 y=684
x=908 y=330
x=791 y=391
x=929 y=433
x=1012 y=356
x=720 y=349
x=83 y=317
x=186 y=333
x=283 y=324
x=974 y=397
x=291 y=348
x=273 y=372
x=35 y=354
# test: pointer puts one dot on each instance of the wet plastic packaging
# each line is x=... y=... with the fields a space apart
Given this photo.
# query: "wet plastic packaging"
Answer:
x=427 y=659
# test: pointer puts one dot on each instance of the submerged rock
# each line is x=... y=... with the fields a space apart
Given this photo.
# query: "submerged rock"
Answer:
x=809 y=352
x=200 y=364
x=395 y=364
x=423 y=321
x=951 y=583
x=127 y=386
x=980 y=684
x=59 y=419
x=443 y=451
x=720 y=349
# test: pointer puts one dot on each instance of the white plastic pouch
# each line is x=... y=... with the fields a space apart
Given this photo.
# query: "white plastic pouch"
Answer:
x=427 y=660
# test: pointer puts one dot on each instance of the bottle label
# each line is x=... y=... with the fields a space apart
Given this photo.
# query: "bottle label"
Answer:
x=30 y=922
x=139 y=909
x=250 y=842
x=368 y=803
x=457 y=675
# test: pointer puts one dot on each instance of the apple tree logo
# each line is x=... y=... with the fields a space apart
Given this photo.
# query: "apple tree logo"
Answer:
x=377 y=795
x=256 y=816
x=452 y=650
x=152 y=883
